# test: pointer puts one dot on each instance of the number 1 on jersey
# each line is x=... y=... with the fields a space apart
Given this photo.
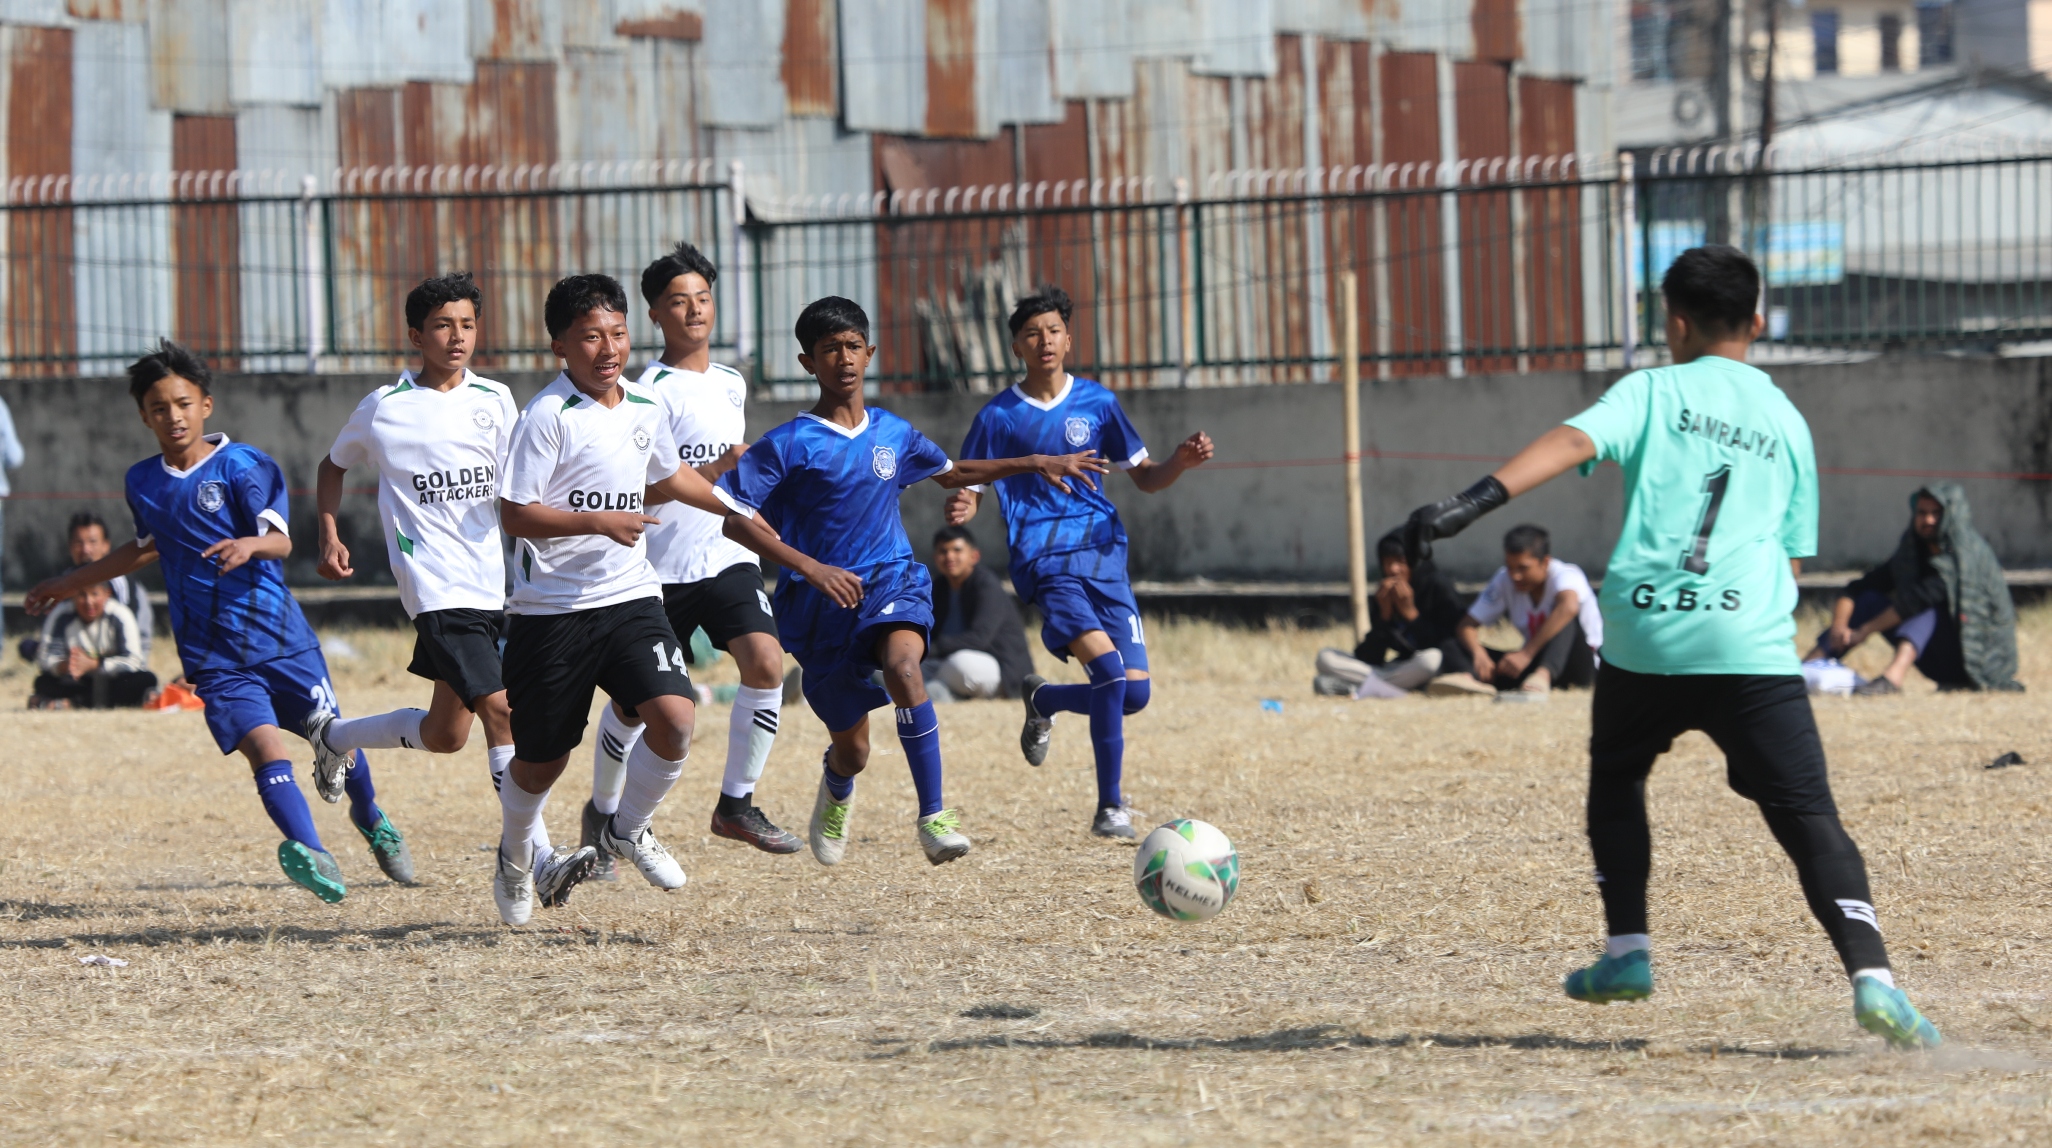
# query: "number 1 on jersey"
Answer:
x=1714 y=485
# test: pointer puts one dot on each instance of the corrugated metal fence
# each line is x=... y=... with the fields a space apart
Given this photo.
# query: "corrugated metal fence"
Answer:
x=1480 y=266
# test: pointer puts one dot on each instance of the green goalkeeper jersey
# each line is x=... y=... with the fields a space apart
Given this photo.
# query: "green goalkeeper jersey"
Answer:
x=1720 y=492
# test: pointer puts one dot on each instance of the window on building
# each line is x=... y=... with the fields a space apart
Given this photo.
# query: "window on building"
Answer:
x=1891 y=43
x=1652 y=41
x=1934 y=34
x=1824 y=35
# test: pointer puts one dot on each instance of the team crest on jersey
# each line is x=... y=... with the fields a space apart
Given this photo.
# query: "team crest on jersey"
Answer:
x=1077 y=431
x=734 y=397
x=211 y=496
x=641 y=439
x=481 y=419
x=884 y=461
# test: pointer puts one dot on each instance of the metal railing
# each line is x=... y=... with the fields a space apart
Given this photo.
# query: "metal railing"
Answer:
x=1476 y=266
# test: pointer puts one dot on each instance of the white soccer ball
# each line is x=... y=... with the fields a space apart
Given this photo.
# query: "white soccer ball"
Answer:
x=1186 y=870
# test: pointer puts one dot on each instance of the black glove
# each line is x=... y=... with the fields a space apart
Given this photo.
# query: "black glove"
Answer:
x=1450 y=516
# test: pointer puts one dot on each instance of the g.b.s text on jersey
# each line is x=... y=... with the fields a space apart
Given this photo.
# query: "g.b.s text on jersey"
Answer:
x=459 y=485
x=605 y=500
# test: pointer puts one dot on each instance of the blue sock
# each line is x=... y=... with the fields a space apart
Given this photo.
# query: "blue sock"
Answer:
x=1108 y=724
x=363 y=796
x=1052 y=699
x=919 y=733
x=1136 y=694
x=841 y=787
x=286 y=805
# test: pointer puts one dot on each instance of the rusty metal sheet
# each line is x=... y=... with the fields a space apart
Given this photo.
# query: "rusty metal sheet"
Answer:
x=1553 y=225
x=883 y=65
x=740 y=56
x=593 y=109
x=1093 y=49
x=420 y=35
x=663 y=89
x=274 y=52
x=808 y=58
x=1497 y=30
x=122 y=282
x=1431 y=26
x=130 y=11
x=1022 y=90
x=1482 y=129
x=40 y=253
x=206 y=245
x=189 y=55
x=1336 y=19
x=1238 y=38
x=951 y=87
x=1571 y=40
x=509 y=115
x=37 y=13
x=659 y=20
x=525 y=30
x=367 y=127
x=588 y=24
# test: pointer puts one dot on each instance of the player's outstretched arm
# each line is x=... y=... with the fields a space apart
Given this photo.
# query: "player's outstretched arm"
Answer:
x=123 y=560
x=961 y=506
x=688 y=487
x=334 y=563
x=1151 y=476
x=533 y=520
x=843 y=586
x=1083 y=466
x=1557 y=451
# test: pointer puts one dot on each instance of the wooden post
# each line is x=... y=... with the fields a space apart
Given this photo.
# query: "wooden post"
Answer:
x=1350 y=376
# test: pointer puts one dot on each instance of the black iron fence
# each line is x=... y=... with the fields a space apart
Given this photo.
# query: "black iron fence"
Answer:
x=1490 y=266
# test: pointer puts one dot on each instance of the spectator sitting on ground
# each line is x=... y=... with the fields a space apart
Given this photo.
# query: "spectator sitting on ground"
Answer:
x=86 y=539
x=979 y=643
x=99 y=662
x=1941 y=601
x=1547 y=600
x=1411 y=623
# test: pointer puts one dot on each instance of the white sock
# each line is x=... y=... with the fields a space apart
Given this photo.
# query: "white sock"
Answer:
x=649 y=779
x=616 y=740
x=1626 y=943
x=399 y=729
x=750 y=732
x=498 y=757
x=1883 y=975
x=520 y=823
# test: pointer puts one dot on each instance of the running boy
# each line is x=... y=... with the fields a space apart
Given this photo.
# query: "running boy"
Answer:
x=214 y=512
x=709 y=581
x=1069 y=552
x=590 y=453
x=828 y=482
x=1720 y=507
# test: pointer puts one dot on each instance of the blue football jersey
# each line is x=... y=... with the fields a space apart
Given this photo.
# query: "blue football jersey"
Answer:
x=1050 y=532
x=221 y=621
x=831 y=492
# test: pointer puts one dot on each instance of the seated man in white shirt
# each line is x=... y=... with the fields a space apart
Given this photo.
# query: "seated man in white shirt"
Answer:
x=96 y=662
x=86 y=541
x=1547 y=600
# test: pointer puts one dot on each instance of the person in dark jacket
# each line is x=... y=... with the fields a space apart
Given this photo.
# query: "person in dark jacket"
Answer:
x=1412 y=621
x=1941 y=601
x=979 y=644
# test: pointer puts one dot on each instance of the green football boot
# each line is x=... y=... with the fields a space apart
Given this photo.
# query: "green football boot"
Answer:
x=389 y=848
x=1625 y=978
x=313 y=868
x=1886 y=1012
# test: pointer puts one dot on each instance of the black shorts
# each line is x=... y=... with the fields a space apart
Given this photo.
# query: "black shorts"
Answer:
x=461 y=648
x=727 y=605
x=554 y=661
x=1762 y=722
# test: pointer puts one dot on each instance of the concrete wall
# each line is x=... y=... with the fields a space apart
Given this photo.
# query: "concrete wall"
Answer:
x=1252 y=514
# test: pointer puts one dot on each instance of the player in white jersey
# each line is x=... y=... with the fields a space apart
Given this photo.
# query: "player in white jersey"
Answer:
x=592 y=452
x=710 y=582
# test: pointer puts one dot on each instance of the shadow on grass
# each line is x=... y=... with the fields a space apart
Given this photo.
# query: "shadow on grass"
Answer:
x=390 y=936
x=1327 y=1036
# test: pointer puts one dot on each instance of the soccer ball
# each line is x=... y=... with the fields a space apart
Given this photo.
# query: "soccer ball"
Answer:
x=1186 y=871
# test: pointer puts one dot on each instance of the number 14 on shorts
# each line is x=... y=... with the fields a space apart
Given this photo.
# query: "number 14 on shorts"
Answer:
x=668 y=660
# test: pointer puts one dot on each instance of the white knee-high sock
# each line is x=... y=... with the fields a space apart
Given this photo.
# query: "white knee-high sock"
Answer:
x=399 y=729
x=751 y=731
x=521 y=835
x=649 y=779
x=498 y=757
x=616 y=740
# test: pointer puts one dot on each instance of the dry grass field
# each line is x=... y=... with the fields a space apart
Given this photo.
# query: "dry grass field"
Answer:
x=1415 y=885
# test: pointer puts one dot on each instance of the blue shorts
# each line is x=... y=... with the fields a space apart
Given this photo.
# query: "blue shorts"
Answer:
x=837 y=646
x=283 y=692
x=1072 y=606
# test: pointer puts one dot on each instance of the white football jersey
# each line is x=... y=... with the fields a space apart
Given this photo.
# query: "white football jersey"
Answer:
x=572 y=453
x=705 y=412
x=439 y=456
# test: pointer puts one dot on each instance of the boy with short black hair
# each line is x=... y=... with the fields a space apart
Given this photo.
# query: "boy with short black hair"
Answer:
x=709 y=581
x=214 y=511
x=828 y=482
x=592 y=452
x=1720 y=508
x=1069 y=553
